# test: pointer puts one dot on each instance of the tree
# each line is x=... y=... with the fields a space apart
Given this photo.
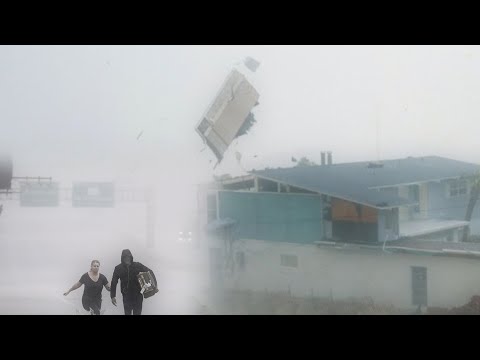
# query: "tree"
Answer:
x=474 y=194
x=304 y=161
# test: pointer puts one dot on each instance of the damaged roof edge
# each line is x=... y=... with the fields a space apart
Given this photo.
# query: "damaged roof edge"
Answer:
x=238 y=179
x=342 y=197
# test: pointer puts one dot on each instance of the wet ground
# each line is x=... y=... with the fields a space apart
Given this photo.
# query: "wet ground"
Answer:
x=44 y=251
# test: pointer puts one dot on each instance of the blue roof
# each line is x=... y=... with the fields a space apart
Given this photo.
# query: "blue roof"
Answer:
x=357 y=182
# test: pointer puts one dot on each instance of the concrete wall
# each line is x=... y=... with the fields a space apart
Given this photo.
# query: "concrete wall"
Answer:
x=359 y=273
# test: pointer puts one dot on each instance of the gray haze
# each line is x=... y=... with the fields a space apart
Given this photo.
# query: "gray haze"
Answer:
x=82 y=107
x=75 y=112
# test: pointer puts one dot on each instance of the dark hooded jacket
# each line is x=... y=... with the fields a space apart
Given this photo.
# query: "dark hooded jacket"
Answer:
x=127 y=274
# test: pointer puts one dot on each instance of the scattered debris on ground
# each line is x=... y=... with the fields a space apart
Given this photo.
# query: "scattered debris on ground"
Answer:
x=238 y=302
x=470 y=308
x=244 y=302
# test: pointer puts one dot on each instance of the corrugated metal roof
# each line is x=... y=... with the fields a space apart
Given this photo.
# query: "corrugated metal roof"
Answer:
x=357 y=182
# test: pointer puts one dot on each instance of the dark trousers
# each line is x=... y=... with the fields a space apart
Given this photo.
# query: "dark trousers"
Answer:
x=132 y=303
x=94 y=304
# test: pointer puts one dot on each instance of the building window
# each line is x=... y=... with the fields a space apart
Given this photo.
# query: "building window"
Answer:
x=458 y=187
x=289 y=261
x=419 y=285
x=240 y=259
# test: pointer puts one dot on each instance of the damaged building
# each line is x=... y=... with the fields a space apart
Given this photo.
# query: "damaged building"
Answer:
x=353 y=229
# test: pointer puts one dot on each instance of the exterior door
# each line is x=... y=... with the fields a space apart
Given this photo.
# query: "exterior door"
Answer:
x=419 y=286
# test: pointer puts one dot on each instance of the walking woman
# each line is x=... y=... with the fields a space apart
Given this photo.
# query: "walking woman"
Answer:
x=93 y=283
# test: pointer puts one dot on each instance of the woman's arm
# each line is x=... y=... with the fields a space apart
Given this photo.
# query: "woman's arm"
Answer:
x=107 y=286
x=74 y=287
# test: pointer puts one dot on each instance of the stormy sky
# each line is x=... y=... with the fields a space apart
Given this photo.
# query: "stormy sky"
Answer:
x=128 y=113
x=75 y=112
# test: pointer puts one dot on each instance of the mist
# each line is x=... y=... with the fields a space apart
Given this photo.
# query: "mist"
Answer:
x=127 y=115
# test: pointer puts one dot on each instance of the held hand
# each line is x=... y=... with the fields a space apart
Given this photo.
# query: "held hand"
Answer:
x=114 y=301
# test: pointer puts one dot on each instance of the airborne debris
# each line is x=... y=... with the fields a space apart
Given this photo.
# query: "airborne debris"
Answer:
x=230 y=115
x=249 y=122
x=251 y=64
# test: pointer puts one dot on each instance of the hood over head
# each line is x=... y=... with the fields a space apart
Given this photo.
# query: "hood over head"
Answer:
x=126 y=254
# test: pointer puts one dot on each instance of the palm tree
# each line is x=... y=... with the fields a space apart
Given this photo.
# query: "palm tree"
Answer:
x=474 y=194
